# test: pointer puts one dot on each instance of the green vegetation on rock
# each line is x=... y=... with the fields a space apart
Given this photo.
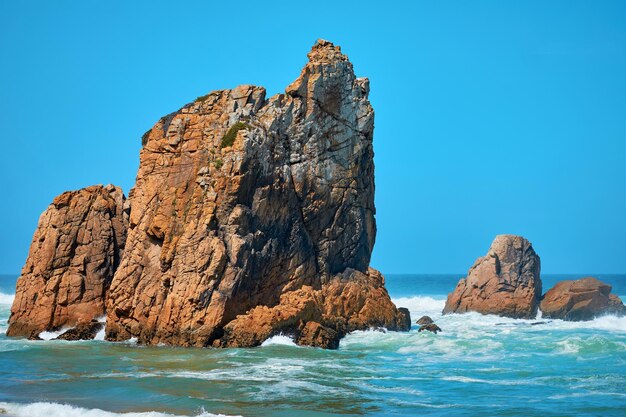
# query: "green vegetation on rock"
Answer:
x=229 y=137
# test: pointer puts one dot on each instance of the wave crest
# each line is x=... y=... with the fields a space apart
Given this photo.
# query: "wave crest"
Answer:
x=41 y=409
x=421 y=305
x=6 y=299
x=279 y=340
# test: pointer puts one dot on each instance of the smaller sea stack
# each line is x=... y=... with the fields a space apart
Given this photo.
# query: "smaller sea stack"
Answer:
x=505 y=282
x=582 y=299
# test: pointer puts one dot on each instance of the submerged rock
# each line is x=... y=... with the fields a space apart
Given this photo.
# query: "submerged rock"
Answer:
x=582 y=299
x=427 y=323
x=505 y=282
x=82 y=331
x=432 y=327
x=75 y=250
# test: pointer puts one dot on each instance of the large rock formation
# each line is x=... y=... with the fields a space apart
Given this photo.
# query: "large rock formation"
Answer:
x=582 y=299
x=505 y=282
x=254 y=216
x=75 y=250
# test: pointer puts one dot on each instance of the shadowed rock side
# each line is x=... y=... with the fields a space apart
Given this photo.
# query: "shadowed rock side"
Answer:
x=582 y=299
x=76 y=248
x=83 y=331
x=241 y=202
x=505 y=282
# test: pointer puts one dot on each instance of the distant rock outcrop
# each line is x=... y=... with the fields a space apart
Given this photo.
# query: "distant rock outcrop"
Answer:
x=505 y=282
x=76 y=249
x=582 y=299
x=424 y=320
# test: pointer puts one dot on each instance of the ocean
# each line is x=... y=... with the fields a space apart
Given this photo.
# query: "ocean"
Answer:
x=477 y=366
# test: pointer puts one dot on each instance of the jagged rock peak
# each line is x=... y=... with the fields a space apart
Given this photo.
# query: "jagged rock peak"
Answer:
x=325 y=52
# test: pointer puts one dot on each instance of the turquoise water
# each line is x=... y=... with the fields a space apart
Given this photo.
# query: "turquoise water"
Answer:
x=478 y=366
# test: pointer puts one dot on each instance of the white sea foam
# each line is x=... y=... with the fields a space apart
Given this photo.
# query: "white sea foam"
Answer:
x=611 y=323
x=421 y=305
x=100 y=335
x=45 y=409
x=53 y=335
x=468 y=380
x=6 y=299
x=279 y=340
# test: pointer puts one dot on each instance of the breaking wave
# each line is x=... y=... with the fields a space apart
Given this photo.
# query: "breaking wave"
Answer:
x=279 y=340
x=46 y=409
x=6 y=299
x=421 y=304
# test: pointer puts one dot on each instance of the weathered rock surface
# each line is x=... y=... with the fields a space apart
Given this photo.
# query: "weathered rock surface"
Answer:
x=82 y=331
x=350 y=301
x=75 y=250
x=505 y=282
x=252 y=216
x=431 y=327
x=582 y=299
x=424 y=320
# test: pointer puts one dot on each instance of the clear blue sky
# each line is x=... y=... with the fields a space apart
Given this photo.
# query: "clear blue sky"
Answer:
x=491 y=116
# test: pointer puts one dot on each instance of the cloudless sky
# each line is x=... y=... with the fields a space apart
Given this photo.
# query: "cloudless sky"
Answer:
x=491 y=116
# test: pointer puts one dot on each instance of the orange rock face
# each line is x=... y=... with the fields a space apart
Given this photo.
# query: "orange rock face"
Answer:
x=505 y=282
x=256 y=210
x=582 y=299
x=75 y=250
x=348 y=302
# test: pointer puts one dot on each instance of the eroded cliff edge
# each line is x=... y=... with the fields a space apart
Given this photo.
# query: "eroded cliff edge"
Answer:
x=75 y=250
x=254 y=216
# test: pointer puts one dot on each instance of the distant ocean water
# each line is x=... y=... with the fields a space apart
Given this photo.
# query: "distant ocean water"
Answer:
x=478 y=366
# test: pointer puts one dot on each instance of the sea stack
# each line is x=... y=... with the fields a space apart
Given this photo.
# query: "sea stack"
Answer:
x=75 y=250
x=582 y=299
x=253 y=216
x=250 y=217
x=505 y=282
